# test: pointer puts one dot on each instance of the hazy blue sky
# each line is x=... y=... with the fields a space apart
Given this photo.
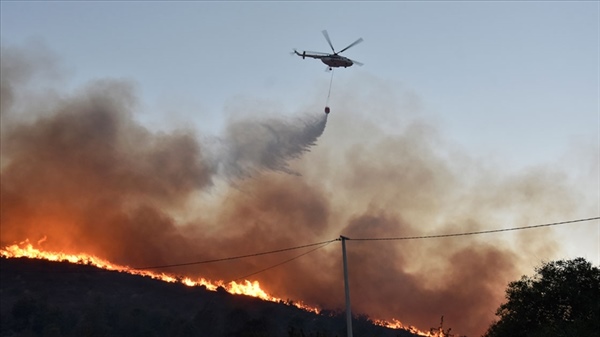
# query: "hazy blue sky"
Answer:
x=516 y=78
x=510 y=86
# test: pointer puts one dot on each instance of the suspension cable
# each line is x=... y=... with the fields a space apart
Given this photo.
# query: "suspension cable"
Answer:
x=329 y=93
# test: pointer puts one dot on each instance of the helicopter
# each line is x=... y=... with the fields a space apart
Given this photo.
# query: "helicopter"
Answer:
x=332 y=60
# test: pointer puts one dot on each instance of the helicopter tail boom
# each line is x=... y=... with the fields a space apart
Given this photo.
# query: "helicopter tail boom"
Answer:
x=303 y=55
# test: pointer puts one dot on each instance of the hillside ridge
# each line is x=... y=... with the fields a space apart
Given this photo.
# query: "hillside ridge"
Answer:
x=45 y=298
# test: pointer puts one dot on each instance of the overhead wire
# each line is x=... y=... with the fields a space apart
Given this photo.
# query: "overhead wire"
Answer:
x=323 y=243
x=472 y=233
x=235 y=257
x=284 y=262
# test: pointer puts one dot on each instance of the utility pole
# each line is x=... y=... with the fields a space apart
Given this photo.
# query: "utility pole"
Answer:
x=348 y=312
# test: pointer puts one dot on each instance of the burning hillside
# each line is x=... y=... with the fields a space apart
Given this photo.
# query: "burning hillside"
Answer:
x=59 y=298
x=79 y=170
x=248 y=288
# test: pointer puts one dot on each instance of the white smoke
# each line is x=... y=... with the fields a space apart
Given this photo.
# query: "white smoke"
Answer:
x=251 y=145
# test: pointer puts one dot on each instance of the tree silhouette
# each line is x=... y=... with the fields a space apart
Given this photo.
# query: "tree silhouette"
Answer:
x=562 y=299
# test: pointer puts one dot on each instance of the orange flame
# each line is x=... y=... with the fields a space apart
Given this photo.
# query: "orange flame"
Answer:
x=397 y=325
x=248 y=288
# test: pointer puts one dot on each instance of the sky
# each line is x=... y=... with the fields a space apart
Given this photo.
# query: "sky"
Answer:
x=491 y=72
x=465 y=115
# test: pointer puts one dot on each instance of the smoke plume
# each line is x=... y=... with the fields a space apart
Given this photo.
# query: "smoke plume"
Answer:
x=83 y=173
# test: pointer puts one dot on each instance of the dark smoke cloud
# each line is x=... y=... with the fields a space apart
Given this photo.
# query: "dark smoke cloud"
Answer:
x=23 y=67
x=87 y=176
x=85 y=165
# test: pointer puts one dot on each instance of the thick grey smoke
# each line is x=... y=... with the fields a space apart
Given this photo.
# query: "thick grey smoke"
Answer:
x=79 y=169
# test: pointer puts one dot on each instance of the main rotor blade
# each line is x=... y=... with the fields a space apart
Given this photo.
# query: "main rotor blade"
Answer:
x=352 y=44
x=328 y=40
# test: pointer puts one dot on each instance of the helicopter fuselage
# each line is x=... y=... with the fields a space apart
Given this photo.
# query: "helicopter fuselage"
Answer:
x=332 y=60
x=336 y=61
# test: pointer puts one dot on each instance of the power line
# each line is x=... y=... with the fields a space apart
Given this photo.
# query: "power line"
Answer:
x=286 y=261
x=473 y=233
x=237 y=257
x=366 y=239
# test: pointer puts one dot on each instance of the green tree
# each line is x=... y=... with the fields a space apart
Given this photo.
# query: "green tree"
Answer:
x=562 y=299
